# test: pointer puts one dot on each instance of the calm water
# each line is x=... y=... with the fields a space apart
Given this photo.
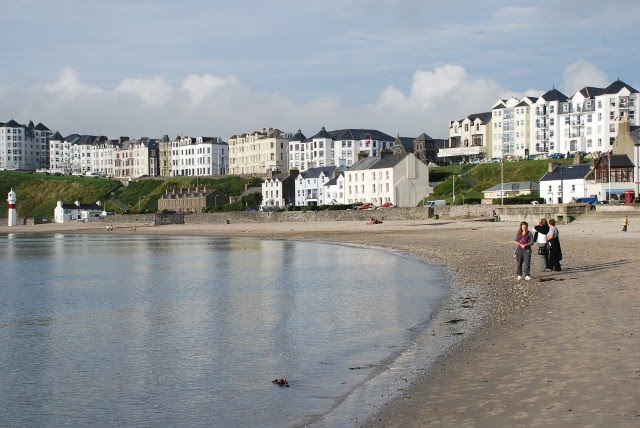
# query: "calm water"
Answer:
x=133 y=331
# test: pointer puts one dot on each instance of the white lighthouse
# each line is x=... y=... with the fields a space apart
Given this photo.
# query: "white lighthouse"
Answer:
x=13 y=215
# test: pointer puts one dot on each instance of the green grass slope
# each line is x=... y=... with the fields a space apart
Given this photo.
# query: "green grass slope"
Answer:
x=37 y=194
x=472 y=180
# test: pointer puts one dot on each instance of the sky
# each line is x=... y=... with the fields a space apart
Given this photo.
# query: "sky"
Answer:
x=218 y=68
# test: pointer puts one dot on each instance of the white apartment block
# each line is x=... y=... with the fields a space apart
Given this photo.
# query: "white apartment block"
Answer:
x=259 y=152
x=546 y=122
x=589 y=119
x=199 y=156
x=513 y=127
x=469 y=139
x=309 y=186
x=339 y=148
x=24 y=147
x=401 y=179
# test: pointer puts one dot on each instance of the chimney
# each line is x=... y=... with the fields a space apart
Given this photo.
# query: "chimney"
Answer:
x=336 y=173
x=577 y=159
x=362 y=155
x=552 y=165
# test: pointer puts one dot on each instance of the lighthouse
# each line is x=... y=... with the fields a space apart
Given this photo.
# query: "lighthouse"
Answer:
x=13 y=215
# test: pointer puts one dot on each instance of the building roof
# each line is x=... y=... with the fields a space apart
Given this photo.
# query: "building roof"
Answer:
x=484 y=117
x=591 y=91
x=334 y=180
x=515 y=186
x=165 y=139
x=617 y=161
x=41 y=127
x=12 y=124
x=567 y=172
x=617 y=86
x=388 y=160
x=298 y=136
x=189 y=192
x=554 y=95
x=57 y=136
x=94 y=207
x=252 y=190
x=316 y=171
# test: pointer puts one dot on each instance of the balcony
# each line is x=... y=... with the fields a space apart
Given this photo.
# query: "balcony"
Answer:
x=461 y=151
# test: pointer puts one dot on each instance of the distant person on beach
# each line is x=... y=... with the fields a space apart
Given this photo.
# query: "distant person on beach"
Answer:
x=625 y=223
x=555 y=251
x=541 y=239
x=524 y=241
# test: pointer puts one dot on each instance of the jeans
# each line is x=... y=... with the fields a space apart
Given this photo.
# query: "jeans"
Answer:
x=523 y=261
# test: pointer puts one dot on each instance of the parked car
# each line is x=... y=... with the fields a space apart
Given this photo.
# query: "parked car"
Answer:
x=436 y=203
x=556 y=156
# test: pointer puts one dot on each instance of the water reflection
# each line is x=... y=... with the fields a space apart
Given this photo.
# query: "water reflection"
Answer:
x=99 y=330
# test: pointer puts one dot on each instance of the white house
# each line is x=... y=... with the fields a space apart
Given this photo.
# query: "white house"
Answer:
x=509 y=190
x=513 y=127
x=334 y=190
x=310 y=185
x=562 y=184
x=63 y=213
x=278 y=190
x=401 y=179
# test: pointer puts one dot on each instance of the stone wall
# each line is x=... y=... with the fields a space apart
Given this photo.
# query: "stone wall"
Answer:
x=533 y=213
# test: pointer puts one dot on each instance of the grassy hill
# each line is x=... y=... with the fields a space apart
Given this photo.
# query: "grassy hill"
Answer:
x=37 y=194
x=472 y=179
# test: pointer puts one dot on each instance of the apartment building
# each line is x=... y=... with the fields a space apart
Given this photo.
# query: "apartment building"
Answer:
x=136 y=158
x=24 y=147
x=513 y=127
x=589 y=120
x=339 y=148
x=259 y=152
x=470 y=139
x=546 y=122
x=198 y=156
x=164 y=156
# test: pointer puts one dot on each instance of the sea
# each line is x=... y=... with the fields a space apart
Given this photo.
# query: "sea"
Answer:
x=111 y=330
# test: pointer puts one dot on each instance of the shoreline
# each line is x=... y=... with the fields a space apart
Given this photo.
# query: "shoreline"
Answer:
x=520 y=365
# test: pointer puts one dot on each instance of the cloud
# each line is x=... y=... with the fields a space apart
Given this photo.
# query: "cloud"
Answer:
x=153 y=92
x=210 y=105
x=199 y=87
x=581 y=74
x=69 y=85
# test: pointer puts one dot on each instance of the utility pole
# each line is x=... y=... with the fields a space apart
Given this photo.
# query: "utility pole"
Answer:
x=501 y=180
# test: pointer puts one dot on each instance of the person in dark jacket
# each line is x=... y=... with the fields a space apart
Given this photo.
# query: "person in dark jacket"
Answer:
x=524 y=241
x=553 y=243
x=541 y=239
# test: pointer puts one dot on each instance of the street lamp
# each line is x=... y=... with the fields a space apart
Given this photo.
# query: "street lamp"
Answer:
x=453 y=198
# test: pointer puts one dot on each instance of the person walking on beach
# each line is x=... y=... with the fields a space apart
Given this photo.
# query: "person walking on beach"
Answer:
x=541 y=239
x=625 y=223
x=555 y=251
x=524 y=241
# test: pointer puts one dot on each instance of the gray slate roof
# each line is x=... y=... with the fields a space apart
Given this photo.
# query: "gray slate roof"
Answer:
x=616 y=86
x=520 y=185
x=554 y=95
x=573 y=172
x=376 y=162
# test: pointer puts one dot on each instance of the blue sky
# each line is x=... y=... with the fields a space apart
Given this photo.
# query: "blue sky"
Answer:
x=148 y=68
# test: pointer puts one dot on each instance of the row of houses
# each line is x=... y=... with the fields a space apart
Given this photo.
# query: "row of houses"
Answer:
x=391 y=178
x=553 y=123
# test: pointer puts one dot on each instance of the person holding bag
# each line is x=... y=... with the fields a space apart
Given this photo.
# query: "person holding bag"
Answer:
x=541 y=239
x=524 y=241
x=553 y=244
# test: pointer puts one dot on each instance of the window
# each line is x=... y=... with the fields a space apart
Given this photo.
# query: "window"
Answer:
x=612 y=102
x=589 y=118
x=552 y=109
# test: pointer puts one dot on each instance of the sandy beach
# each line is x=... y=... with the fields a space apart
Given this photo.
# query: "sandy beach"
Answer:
x=561 y=349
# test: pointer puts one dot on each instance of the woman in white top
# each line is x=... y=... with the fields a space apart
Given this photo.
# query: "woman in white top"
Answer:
x=541 y=239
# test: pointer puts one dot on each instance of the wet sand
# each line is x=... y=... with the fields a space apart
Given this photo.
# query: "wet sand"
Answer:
x=561 y=349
